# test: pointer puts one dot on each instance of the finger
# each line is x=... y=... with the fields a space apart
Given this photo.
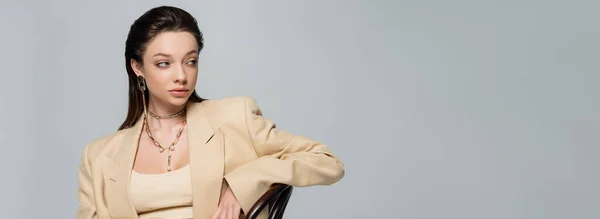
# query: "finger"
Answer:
x=223 y=214
x=236 y=212
x=217 y=213
x=230 y=212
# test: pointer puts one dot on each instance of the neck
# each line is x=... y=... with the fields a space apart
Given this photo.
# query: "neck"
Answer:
x=165 y=110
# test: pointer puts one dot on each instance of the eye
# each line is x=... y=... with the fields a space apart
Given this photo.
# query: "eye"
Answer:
x=162 y=64
x=193 y=62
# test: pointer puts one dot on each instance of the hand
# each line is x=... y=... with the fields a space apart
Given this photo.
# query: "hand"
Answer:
x=229 y=207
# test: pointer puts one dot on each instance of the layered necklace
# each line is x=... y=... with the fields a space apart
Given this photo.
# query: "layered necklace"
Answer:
x=170 y=150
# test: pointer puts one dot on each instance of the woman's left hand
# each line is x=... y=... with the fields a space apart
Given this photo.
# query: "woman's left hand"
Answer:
x=229 y=207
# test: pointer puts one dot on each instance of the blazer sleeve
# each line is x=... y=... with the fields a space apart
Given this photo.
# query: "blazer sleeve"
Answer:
x=85 y=193
x=282 y=158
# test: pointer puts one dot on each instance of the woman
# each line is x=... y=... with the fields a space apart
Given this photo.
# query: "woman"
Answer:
x=180 y=156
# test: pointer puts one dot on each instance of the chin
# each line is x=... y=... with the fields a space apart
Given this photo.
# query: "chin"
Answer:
x=178 y=101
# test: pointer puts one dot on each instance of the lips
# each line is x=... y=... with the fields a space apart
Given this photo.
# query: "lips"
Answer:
x=180 y=92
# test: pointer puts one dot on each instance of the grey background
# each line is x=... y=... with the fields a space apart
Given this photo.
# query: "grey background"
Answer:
x=439 y=109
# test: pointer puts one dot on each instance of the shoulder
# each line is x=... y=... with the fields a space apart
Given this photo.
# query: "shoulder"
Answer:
x=102 y=145
x=232 y=110
x=232 y=105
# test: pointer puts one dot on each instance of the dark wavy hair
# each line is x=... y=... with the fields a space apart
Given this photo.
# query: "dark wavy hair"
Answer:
x=153 y=22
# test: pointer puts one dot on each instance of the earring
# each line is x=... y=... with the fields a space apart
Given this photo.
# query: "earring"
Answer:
x=142 y=86
x=141 y=83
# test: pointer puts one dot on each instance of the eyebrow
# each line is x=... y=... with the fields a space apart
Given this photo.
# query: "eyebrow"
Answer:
x=167 y=55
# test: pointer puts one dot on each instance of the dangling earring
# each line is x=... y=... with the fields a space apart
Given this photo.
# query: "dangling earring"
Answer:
x=142 y=86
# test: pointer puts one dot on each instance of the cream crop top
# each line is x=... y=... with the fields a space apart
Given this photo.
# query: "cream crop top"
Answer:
x=166 y=195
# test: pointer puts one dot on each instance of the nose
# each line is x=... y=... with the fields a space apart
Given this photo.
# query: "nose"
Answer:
x=180 y=75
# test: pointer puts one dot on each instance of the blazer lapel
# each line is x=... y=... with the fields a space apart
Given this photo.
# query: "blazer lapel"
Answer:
x=206 y=161
x=206 y=165
x=118 y=174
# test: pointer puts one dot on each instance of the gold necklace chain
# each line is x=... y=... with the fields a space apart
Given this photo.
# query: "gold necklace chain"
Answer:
x=160 y=147
x=167 y=116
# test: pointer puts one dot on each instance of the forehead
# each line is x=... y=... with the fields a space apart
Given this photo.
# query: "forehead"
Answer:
x=172 y=43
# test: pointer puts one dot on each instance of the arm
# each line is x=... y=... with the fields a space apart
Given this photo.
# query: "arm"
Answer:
x=85 y=193
x=282 y=158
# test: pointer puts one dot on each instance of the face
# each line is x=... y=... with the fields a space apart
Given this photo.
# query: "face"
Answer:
x=170 y=67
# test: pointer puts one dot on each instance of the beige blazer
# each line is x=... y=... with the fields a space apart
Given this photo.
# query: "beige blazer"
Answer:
x=228 y=140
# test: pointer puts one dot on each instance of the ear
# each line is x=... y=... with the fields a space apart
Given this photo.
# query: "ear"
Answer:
x=137 y=67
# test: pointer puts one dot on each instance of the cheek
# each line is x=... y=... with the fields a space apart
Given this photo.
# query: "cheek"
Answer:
x=156 y=78
x=193 y=76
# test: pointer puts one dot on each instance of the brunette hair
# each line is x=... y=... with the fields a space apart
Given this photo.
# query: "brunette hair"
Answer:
x=153 y=22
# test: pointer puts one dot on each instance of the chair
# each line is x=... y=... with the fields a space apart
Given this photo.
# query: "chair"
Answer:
x=276 y=198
